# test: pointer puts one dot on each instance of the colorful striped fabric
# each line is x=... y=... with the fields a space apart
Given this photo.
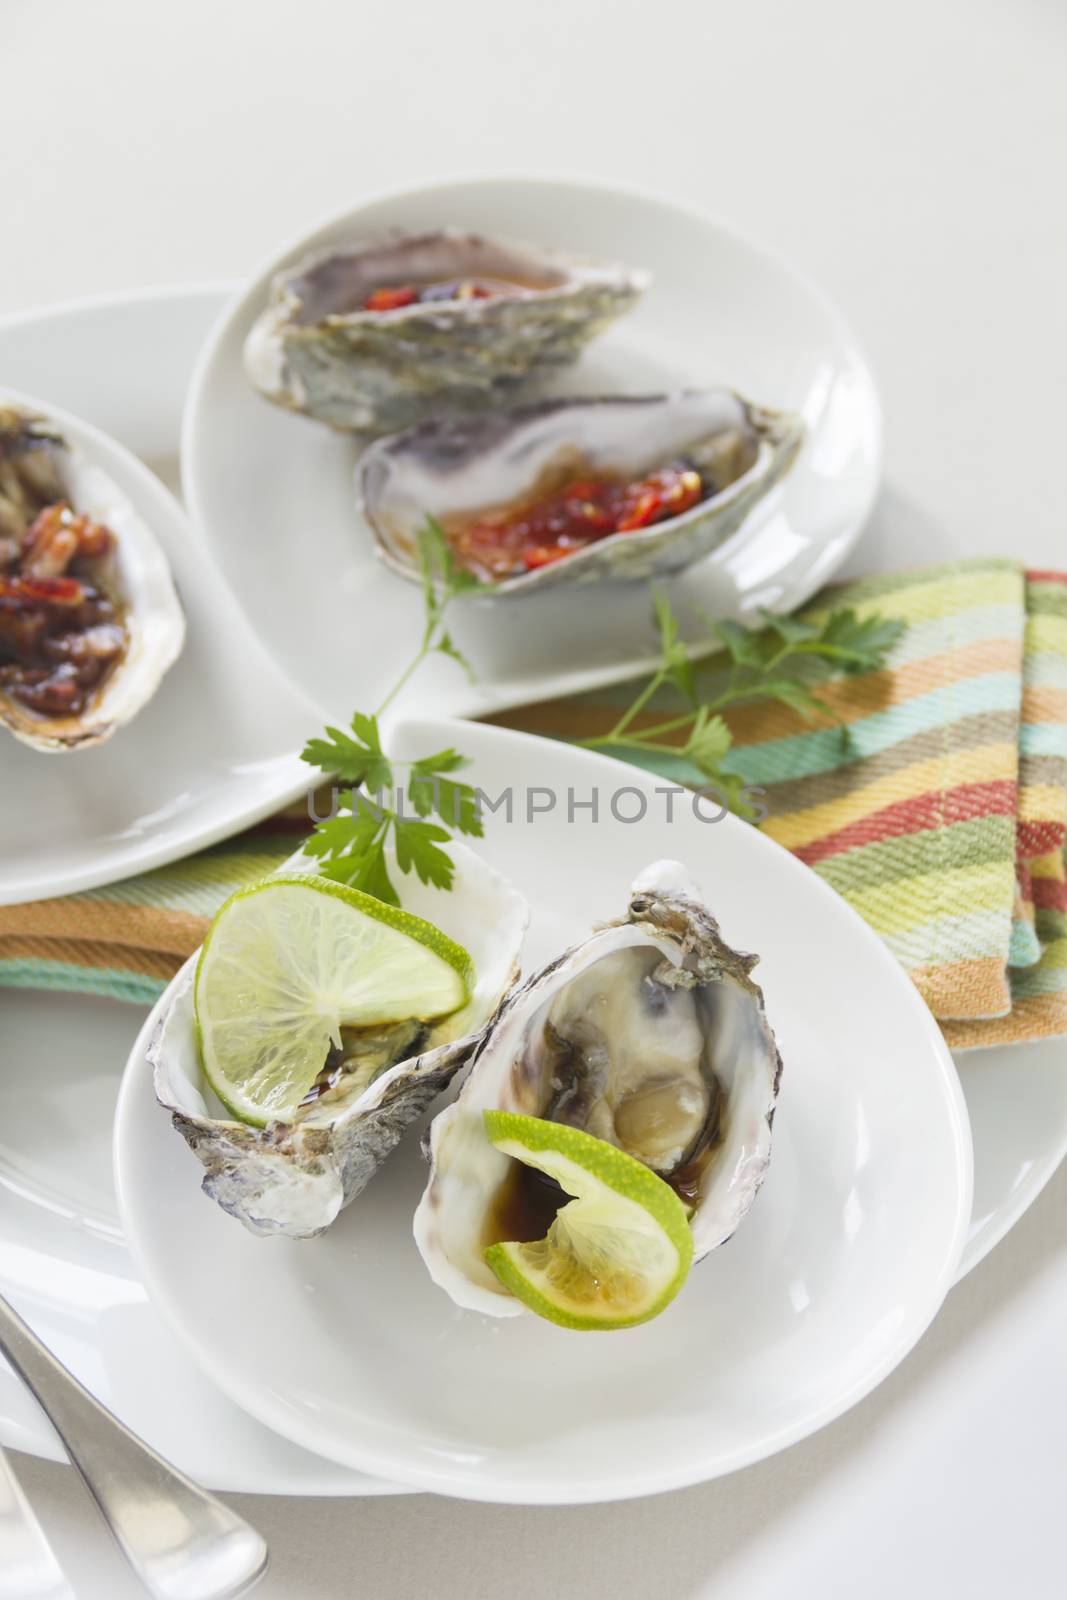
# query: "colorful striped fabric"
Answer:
x=128 y=940
x=1037 y=961
x=934 y=800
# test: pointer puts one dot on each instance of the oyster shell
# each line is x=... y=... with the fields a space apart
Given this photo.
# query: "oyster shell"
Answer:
x=294 y=1178
x=39 y=469
x=456 y=468
x=316 y=349
x=651 y=1034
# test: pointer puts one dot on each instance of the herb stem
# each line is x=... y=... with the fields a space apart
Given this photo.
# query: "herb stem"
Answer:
x=629 y=741
x=639 y=704
x=409 y=671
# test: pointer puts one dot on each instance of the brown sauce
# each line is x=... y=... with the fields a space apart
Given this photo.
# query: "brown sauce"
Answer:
x=525 y=1204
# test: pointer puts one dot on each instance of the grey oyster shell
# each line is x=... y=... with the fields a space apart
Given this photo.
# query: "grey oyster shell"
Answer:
x=294 y=1178
x=369 y=372
x=655 y=1005
x=468 y=465
x=37 y=465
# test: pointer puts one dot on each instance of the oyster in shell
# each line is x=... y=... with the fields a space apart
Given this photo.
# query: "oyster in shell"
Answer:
x=493 y=317
x=89 y=619
x=462 y=470
x=650 y=1034
x=294 y=1178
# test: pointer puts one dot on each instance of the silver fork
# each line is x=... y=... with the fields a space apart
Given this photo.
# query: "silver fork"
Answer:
x=182 y=1543
x=29 y=1570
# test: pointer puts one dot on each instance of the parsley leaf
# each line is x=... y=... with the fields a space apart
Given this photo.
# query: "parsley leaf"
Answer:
x=369 y=873
x=791 y=630
x=345 y=834
x=708 y=744
x=742 y=644
x=676 y=663
x=418 y=848
x=859 y=646
x=446 y=646
x=791 y=692
x=358 y=760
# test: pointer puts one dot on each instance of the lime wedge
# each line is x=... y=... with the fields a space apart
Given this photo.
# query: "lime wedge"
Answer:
x=290 y=961
x=616 y=1254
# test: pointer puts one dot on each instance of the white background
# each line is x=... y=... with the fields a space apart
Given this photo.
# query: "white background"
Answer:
x=908 y=156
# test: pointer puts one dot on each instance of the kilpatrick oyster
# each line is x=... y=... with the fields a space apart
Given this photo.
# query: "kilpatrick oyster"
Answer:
x=474 y=474
x=89 y=618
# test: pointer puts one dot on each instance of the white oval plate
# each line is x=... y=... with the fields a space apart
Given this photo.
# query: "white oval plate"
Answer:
x=201 y=760
x=345 y=1346
x=721 y=310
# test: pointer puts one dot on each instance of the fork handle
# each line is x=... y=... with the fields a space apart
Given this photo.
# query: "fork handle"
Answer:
x=29 y=1566
x=182 y=1542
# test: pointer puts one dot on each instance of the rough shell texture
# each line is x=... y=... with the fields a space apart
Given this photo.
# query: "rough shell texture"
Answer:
x=512 y=1070
x=153 y=616
x=294 y=1178
x=468 y=465
x=315 y=350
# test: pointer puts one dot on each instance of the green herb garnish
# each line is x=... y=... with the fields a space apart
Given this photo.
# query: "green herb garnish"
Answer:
x=351 y=845
x=783 y=663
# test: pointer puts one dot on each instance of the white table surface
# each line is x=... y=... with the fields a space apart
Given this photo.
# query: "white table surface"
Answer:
x=910 y=158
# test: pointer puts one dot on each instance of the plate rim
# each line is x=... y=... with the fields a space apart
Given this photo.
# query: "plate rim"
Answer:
x=438 y=1479
x=117 y=299
x=1023 y=1196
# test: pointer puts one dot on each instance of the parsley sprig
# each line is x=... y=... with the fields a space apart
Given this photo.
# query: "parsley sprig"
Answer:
x=775 y=664
x=351 y=845
x=784 y=662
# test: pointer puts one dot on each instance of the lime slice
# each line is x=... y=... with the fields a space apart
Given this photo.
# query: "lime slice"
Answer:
x=616 y=1254
x=290 y=961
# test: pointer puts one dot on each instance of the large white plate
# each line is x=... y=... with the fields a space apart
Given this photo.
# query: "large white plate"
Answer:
x=274 y=492
x=344 y=1345
x=216 y=747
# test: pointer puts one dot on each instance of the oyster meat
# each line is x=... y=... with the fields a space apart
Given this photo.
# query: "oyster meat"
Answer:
x=293 y=1178
x=89 y=620
x=650 y=1034
x=374 y=336
x=576 y=491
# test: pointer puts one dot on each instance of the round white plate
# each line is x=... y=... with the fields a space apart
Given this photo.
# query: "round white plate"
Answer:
x=345 y=1346
x=201 y=760
x=274 y=491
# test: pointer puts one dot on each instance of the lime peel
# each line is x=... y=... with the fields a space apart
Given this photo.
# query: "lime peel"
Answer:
x=616 y=1254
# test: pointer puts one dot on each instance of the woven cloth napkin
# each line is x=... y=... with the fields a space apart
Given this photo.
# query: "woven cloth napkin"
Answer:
x=934 y=799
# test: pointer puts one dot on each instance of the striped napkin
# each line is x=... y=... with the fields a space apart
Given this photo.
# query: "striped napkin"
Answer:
x=934 y=800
